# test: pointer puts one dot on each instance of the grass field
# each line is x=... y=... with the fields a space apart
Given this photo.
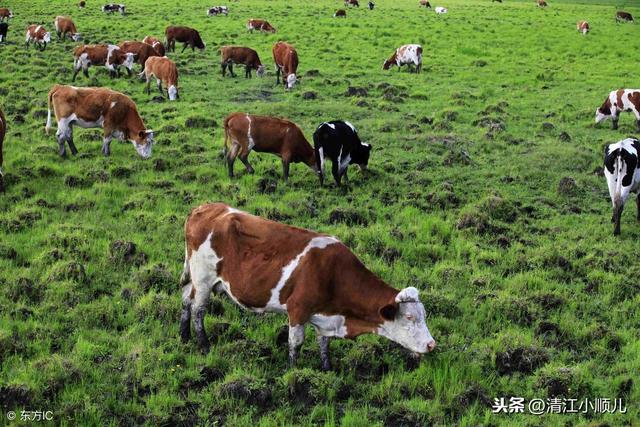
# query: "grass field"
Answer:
x=484 y=191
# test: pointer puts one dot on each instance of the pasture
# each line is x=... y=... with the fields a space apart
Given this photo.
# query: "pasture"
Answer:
x=484 y=191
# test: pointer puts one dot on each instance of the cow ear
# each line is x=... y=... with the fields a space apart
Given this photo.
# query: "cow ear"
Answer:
x=388 y=312
x=142 y=134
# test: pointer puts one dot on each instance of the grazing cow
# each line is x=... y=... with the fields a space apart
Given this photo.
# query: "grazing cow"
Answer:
x=65 y=26
x=583 y=27
x=618 y=101
x=186 y=35
x=499 y=1
x=113 y=8
x=622 y=170
x=353 y=3
x=623 y=17
x=542 y=3
x=371 y=5
x=425 y=3
x=286 y=60
x=82 y=4
x=5 y=14
x=266 y=266
x=154 y=43
x=338 y=140
x=260 y=25
x=340 y=13
x=165 y=71
x=245 y=132
x=405 y=55
x=248 y=57
x=441 y=10
x=4 y=27
x=103 y=108
x=38 y=35
x=218 y=10
x=3 y=131
x=109 y=56
x=141 y=51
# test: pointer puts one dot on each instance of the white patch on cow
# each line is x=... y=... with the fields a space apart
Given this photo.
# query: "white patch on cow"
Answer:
x=440 y=10
x=364 y=144
x=173 y=93
x=351 y=126
x=344 y=163
x=47 y=38
x=329 y=326
x=291 y=81
x=65 y=124
x=251 y=143
x=331 y=125
x=274 y=304
x=110 y=49
x=128 y=62
x=231 y=210
x=321 y=152
x=113 y=104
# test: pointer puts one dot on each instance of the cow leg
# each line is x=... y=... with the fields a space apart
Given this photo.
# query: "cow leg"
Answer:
x=58 y=33
x=296 y=338
x=224 y=68
x=638 y=125
x=247 y=72
x=323 y=342
x=159 y=82
x=335 y=172
x=106 y=145
x=285 y=169
x=231 y=158
x=231 y=70
x=617 y=214
x=61 y=145
x=245 y=160
x=346 y=178
x=198 y=309
x=638 y=205
x=184 y=47
x=185 y=318
x=72 y=146
x=614 y=122
x=277 y=75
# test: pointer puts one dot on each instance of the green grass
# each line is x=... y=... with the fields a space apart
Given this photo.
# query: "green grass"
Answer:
x=507 y=263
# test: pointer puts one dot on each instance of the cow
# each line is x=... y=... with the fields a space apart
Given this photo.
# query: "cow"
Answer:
x=583 y=27
x=186 y=35
x=4 y=27
x=245 y=132
x=371 y=5
x=493 y=1
x=165 y=71
x=155 y=43
x=109 y=56
x=5 y=14
x=340 y=13
x=542 y=3
x=623 y=16
x=82 y=4
x=266 y=266
x=218 y=10
x=38 y=35
x=286 y=60
x=65 y=26
x=103 y=108
x=141 y=51
x=405 y=55
x=260 y=25
x=339 y=141
x=353 y=3
x=248 y=57
x=113 y=8
x=618 y=101
x=441 y=10
x=622 y=170
x=425 y=3
x=3 y=131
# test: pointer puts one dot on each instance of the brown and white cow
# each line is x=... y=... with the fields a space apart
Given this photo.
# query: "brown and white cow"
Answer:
x=3 y=131
x=37 y=35
x=154 y=43
x=542 y=3
x=425 y=3
x=409 y=54
x=82 y=4
x=353 y=3
x=165 y=71
x=583 y=27
x=141 y=51
x=5 y=14
x=186 y=35
x=103 y=108
x=230 y=55
x=623 y=16
x=286 y=60
x=246 y=132
x=65 y=26
x=106 y=55
x=260 y=25
x=266 y=266
x=618 y=101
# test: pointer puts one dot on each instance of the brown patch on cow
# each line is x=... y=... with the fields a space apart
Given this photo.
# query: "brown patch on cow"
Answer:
x=154 y=43
x=64 y=25
x=634 y=98
x=286 y=59
x=605 y=108
x=261 y=25
x=186 y=35
x=239 y=55
x=619 y=103
x=4 y=13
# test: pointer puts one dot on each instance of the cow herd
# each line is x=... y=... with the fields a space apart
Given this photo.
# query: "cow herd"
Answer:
x=263 y=265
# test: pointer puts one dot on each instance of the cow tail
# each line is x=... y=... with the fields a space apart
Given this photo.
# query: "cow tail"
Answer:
x=617 y=196
x=47 y=127
x=316 y=149
x=185 y=277
x=227 y=137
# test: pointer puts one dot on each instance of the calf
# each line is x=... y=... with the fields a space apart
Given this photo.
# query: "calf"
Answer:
x=622 y=170
x=441 y=10
x=542 y=3
x=353 y=3
x=244 y=132
x=102 y=108
x=141 y=51
x=618 y=101
x=286 y=60
x=623 y=17
x=65 y=26
x=340 y=13
x=405 y=55
x=371 y=5
x=218 y=10
x=260 y=25
x=109 y=56
x=113 y=8
x=338 y=140
x=165 y=71
x=186 y=35
x=231 y=55
x=82 y=4
x=38 y=35
x=5 y=14
x=154 y=43
x=425 y=3
x=583 y=27
x=4 y=27
x=3 y=131
x=266 y=266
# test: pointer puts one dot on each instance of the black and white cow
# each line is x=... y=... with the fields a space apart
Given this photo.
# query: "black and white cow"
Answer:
x=3 y=32
x=338 y=140
x=622 y=171
x=218 y=10
x=113 y=8
x=371 y=5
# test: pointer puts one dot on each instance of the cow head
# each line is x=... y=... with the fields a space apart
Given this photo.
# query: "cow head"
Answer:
x=128 y=60
x=76 y=37
x=260 y=71
x=47 y=37
x=143 y=143
x=362 y=158
x=291 y=81
x=173 y=93
x=404 y=322
x=387 y=64
x=198 y=42
x=603 y=112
